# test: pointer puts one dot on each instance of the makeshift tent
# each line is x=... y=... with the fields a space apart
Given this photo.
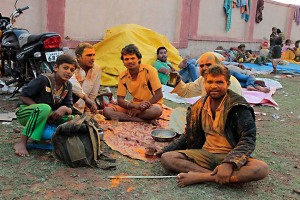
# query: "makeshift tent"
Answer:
x=108 y=51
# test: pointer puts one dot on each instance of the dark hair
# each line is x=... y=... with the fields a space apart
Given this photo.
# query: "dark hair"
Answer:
x=219 y=48
x=80 y=48
x=288 y=40
x=160 y=48
x=241 y=45
x=66 y=58
x=218 y=70
x=131 y=49
x=298 y=41
x=278 y=31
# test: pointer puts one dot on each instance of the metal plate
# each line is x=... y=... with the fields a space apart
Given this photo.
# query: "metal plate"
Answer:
x=163 y=135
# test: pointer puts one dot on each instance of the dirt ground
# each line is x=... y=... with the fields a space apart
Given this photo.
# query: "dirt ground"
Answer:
x=41 y=177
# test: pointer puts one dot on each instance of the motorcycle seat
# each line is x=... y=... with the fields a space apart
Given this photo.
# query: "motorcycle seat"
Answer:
x=42 y=36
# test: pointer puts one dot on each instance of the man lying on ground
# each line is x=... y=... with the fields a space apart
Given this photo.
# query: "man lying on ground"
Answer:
x=142 y=82
x=219 y=139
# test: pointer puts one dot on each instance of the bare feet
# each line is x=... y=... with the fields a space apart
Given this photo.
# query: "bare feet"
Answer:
x=190 y=178
x=154 y=122
x=183 y=63
x=260 y=82
x=251 y=88
x=263 y=89
x=21 y=147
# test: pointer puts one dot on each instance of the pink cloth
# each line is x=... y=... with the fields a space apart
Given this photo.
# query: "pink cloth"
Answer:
x=261 y=98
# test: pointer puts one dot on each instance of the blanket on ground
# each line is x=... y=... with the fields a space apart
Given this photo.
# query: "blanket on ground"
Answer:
x=291 y=68
x=260 y=98
x=132 y=138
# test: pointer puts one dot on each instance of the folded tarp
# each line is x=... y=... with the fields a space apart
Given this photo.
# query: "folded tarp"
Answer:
x=108 y=51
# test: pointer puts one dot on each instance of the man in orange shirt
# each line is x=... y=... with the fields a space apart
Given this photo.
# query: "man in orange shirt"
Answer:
x=142 y=82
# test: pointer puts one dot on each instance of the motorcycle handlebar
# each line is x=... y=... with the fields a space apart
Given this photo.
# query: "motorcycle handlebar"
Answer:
x=22 y=9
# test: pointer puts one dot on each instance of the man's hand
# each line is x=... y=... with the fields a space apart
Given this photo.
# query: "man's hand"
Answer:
x=158 y=153
x=223 y=173
x=90 y=104
x=133 y=112
x=93 y=108
x=144 y=105
x=172 y=69
x=178 y=78
x=57 y=114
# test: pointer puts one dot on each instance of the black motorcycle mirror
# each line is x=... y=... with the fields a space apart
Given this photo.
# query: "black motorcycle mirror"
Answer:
x=16 y=4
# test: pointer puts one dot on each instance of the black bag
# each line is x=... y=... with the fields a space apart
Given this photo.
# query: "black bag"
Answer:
x=77 y=143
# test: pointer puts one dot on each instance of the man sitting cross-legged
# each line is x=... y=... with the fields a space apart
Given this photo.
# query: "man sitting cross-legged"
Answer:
x=142 y=82
x=219 y=138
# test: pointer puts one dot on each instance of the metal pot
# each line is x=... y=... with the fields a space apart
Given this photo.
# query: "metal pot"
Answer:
x=163 y=135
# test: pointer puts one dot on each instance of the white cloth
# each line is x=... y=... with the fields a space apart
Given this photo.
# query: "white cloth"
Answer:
x=85 y=84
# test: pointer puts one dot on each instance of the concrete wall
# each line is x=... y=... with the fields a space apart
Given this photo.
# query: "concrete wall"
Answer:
x=193 y=26
x=90 y=20
x=33 y=19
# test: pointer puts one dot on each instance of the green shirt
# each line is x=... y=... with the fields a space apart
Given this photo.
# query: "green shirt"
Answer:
x=162 y=77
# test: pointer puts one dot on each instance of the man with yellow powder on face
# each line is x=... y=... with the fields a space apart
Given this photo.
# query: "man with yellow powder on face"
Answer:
x=196 y=88
x=219 y=138
x=142 y=82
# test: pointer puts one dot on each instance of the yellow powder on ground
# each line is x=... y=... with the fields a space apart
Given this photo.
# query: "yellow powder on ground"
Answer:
x=130 y=189
x=114 y=183
x=99 y=118
x=140 y=151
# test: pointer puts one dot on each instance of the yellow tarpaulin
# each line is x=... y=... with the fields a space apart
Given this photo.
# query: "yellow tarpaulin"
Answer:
x=108 y=51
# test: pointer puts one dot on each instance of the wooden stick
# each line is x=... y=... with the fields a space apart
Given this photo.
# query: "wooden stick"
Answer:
x=140 y=177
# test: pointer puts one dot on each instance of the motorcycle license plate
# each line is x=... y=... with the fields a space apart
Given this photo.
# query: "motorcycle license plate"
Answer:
x=52 y=56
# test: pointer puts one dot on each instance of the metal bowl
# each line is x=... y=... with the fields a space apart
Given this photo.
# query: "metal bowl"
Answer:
x=163 y=135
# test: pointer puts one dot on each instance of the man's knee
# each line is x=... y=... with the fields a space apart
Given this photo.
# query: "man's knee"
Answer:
x=154 y=112
x=107 y=112
x=261 y=169
x=157 y=110
x=168 y=158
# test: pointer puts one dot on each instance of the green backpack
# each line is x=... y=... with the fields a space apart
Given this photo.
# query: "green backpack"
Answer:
x=77 y=143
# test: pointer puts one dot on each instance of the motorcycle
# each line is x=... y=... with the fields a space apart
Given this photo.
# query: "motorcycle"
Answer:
x=23 y=55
